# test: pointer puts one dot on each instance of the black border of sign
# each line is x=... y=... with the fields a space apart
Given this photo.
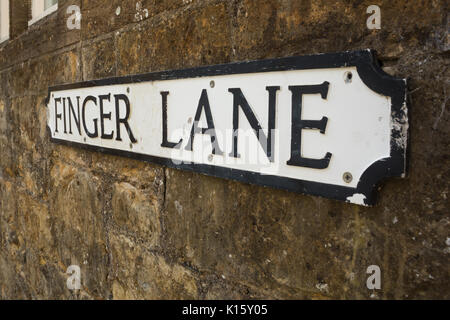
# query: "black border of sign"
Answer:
x=369 y=71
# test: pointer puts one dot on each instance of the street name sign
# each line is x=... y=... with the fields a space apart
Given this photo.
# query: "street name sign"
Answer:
x=332 y=125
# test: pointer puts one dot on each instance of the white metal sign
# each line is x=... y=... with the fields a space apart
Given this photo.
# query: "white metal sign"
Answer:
x=332 y=125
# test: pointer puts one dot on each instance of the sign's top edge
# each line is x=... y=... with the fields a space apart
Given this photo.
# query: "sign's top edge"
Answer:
x=312 y=61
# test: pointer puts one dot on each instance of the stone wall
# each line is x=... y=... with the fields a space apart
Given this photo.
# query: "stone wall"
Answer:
x=139 y=230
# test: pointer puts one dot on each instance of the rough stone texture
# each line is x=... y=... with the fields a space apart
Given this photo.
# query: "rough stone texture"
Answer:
x=19 y=10
x=139 y=230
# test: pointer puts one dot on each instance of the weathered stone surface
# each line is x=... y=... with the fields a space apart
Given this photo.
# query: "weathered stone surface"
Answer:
x=32 y=77
x=140 y=274
x=139 y=230
x=79 y=226
x=18 y=9
x=99 y=60
x=5 y=158
x=134 y=212
x=192 y=37
x=44 y=36
x=102 y=17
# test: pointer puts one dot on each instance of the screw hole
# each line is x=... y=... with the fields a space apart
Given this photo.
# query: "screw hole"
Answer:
x=348 y=77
